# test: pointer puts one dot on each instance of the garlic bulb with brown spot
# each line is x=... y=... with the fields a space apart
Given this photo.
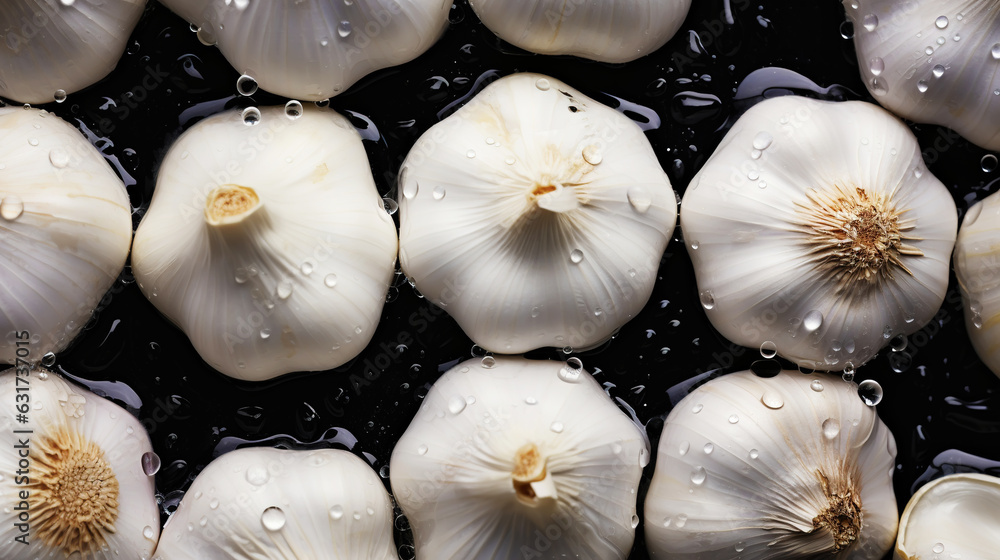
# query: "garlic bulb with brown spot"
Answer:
x=788 y=467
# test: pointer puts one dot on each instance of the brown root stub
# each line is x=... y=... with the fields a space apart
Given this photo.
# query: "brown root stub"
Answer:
x=230 y=204
x=74 y=493
x=842 y=517
x=542 y=189
x=529 y=466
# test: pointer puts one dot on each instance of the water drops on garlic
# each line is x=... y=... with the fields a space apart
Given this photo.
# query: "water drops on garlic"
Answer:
x=54 y=48
x=853 y=234
x=549 y=236
x=934 y=62
x=805 y=473
x=272 y=503
x=65 y=231
x=952 y=517
x=268 y=267
x=977 y=267
x=539 y=464
x=82 y=485
x=603 y=30
x=315 y=49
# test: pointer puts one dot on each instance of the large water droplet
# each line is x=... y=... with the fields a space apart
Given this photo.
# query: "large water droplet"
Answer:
x=11 y=207
x=870 y=392
x=251 y=116
x=772 y=400
x=941 y=22
x=150 y=463
x=812 y=321
x=768 y=349
x=273 y=519
x=572 y=372
x=831 y=428
x=59 y=96
x=937 y=71
x=293 y=109
x=592 y=154
x=246 y=86
x=988 y=163
x=284 y=289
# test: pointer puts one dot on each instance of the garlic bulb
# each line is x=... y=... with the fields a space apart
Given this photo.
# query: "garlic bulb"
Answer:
x=608 y=31
x=50 y=48
x=535 y=216
x=65 y=230
x=271 y=503
x=935 y=62
x=954 y=516
x=817 y=227
x=267 y=243
x=78 y=473
x=977 y=267
x=513 y=458
x=315 y=49
x=788 y=467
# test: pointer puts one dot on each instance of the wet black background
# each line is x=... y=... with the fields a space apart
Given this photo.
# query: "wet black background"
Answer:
x=940 y=401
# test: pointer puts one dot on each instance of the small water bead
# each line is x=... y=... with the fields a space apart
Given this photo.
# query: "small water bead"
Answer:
x=635 y=521
x=870 y=392
x=941 y=22
x=681 y=521
x=542 y=84
x=576 y=257
x=707 y=299
x=922 y=86
x=488 y=362
x=33 y=141
x=273 y=519
x=456 y=405
x=640 y=198
x=48 y=359
x=937 y=71
x=762 y=141
x=509 y=160
x=816 y=385
x=284 y=289
x=530 y=400
x=698 y=476
x=336 y=512
x=734 y=418
x=989 y=163
x=470 y=154
x=812 y=321
x=708 y=448
x=422 y=450
x=754 y=454
x=938 y=548
x=848 y=374
x=870 y=22
x=772 y=400
x=741 y=546
x=344 y=29
x=246 y=86
x=257 y=475
x=753 y=175
x=898 y=343
x=831 y=428
x=330 y=280
x=684 y=448
x=535 y=312
x=59 y=158
x=592 y=154
x=556 y=427
x=251 y=116
x=147 y=531
x=768 y=349
x=214 y=504
x=697 y=408
x=929 y=51
x=438 y=193
x=389 y=205
x=572 y=372
x=846 y=31
x=755 y=154
x=150 y=463
x=293 y=109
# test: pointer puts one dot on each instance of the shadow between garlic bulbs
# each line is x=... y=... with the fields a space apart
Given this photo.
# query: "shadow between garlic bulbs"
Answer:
x=977 y=267
x=267 y=243
x=515 y=458
x=535 y=216
x=788 y=467
x=816 y=226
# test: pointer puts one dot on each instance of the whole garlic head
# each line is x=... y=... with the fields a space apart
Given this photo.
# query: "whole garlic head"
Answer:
x=267 y=243
x=787 y=467
x=609 y=31
x=52 y=48
x=535 y=216
x=77 y=471
x=65 y=231
x=816 y=226
x=513 y=458
x=935 y=62
x=977 y=267
x=315 y=49
x=954 y=516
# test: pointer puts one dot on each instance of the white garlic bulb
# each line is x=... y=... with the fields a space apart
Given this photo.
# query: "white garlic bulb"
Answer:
x=51 y=48
x=977 y=267
x=315 y=49
x=535 y=216
x=787 y=467
x=271 y=503
x=934 y=62
x=77 y=473
x=816 y=226
x=65 y=230
x=609 y=31
x=267 y=243
x=952 y=517
x=514 y=458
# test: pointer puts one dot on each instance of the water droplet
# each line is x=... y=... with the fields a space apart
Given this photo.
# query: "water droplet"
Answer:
x=556 y=427
x=265 y=334
x=989 y=163
x=877 y=66
x=698 y=476
x=635 y=521
x=831 y=428
x=917 y=172
x=257 y=475
x=284 y=289
x=344 y=29
x=941 y=22
x=422 y=450
x=470 y=154
x=640 y=199
x=870 y=392
x=572 y=372
x=812 y=321
x=150 y=463
x=576 y=256
x=148 y=533
x=592 y=155
x=456 y=405
x=937 y=71
x=772 y=400
x=765 y=368
x=410 y=190
x=509 y=160
x=734 y=418
x=681 y=521
x=816 y=385
x=740 y=546
x=273 y=519
x=768 y=349
x=753 y=175
x=708 y=448
x=922 y=86
x=389 y=205
x=535 y=311
x=33 y=141
x=697 y=408
x=898 y=343
x=870 y=22
x=848 y=374
x=530 y=400
x=684 y=448
x=59 y=158
x=762 y=141
x=336 y=512
x=214 y=504
x=330 y=280
x=707 y=299
x=293 y=109
x=489 y=362
x=438 y=192
x=754 y=454
x=246 y=86
x=938 y=548
x=251 y=116
x=879 y=86
x=60 y=95
x=542 y=84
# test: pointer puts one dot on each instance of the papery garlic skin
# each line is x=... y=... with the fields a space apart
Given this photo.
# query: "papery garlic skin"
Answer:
x=935 y=62
x=273 y=503
x=51 y=48
x=315 y=49
x=954 y=516
x=535 y=216
x=268 y=245
x=816 y=226
x=608 y=31
x=977 y=267
x=761 y=468
x=65 y=231
x=87 y=494
x=514 y=458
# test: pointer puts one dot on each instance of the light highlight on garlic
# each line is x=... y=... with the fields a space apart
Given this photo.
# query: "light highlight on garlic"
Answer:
x=977 y=267
x=608 y=31
x=535 y=216
x=792 y=466
x=514 y=458
x=815 y=227
x=315 y=49
x=935 y=62
x=272 y=503
x=954 y=516
x=65 y=230
x=73 y=484
x=51 y=49
x=267 y=243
